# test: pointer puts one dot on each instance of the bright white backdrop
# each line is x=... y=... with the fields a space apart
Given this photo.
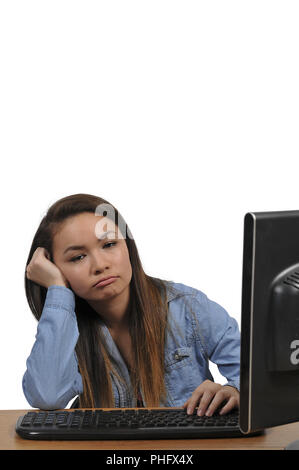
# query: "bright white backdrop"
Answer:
x=184 y=115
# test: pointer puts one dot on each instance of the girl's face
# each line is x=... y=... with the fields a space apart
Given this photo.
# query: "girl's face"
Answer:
x=98 y=258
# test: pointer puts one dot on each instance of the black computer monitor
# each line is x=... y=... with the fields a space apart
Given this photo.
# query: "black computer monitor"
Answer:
x=269 y=376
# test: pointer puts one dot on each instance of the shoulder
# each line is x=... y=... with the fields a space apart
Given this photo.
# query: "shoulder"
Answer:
x=194 y=303
x=176 y=290
x=185 y=303
x=183 y=299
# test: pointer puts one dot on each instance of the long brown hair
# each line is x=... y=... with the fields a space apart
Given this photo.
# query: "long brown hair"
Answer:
x=147 y=318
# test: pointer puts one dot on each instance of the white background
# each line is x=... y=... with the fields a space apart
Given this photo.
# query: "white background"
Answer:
x=182 y=114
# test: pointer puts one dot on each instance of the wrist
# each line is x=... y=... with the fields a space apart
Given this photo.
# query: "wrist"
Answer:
x=59 y=283
x=233 y=385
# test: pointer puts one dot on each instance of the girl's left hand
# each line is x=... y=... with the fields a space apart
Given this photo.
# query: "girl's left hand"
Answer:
x=209 y=396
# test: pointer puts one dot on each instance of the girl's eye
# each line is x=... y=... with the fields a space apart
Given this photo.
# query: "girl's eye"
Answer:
x=77 y=258
x=111 y=243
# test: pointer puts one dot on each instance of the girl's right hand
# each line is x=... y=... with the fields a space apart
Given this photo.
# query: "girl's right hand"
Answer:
x=42 y=271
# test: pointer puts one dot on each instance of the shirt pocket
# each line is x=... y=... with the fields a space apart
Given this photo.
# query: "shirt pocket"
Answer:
x=179 y=357
x=179 y=375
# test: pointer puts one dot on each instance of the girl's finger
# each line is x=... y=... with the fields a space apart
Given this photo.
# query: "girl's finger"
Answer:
x=232 y=403
x=204 y=402
x=215 y=403
x=193 y=401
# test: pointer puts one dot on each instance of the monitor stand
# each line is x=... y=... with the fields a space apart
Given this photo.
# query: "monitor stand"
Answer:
x=292 y=446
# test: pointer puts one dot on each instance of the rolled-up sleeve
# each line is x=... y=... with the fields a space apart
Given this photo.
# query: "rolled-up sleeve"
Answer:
x=52 y=378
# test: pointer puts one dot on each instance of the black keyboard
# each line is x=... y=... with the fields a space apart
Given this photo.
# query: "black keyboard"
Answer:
x=126 y=423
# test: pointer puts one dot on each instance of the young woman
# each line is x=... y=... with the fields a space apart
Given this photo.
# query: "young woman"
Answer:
x=113 y=335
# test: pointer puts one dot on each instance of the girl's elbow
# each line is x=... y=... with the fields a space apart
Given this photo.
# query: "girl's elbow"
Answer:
x=47 y=403
x=44 y=400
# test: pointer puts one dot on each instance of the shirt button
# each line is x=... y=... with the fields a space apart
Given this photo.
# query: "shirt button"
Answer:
x=176 y=356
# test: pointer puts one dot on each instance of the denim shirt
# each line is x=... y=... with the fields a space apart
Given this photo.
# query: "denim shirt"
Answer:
x=201 y=331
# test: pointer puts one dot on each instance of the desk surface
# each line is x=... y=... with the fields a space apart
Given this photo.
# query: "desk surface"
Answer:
x=274 y=438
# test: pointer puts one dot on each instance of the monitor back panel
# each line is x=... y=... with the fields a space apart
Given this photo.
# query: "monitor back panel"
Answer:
x=269 y=388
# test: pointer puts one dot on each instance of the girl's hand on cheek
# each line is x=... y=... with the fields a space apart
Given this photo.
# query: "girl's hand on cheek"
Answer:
x=43 y=271
x=209 y=396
